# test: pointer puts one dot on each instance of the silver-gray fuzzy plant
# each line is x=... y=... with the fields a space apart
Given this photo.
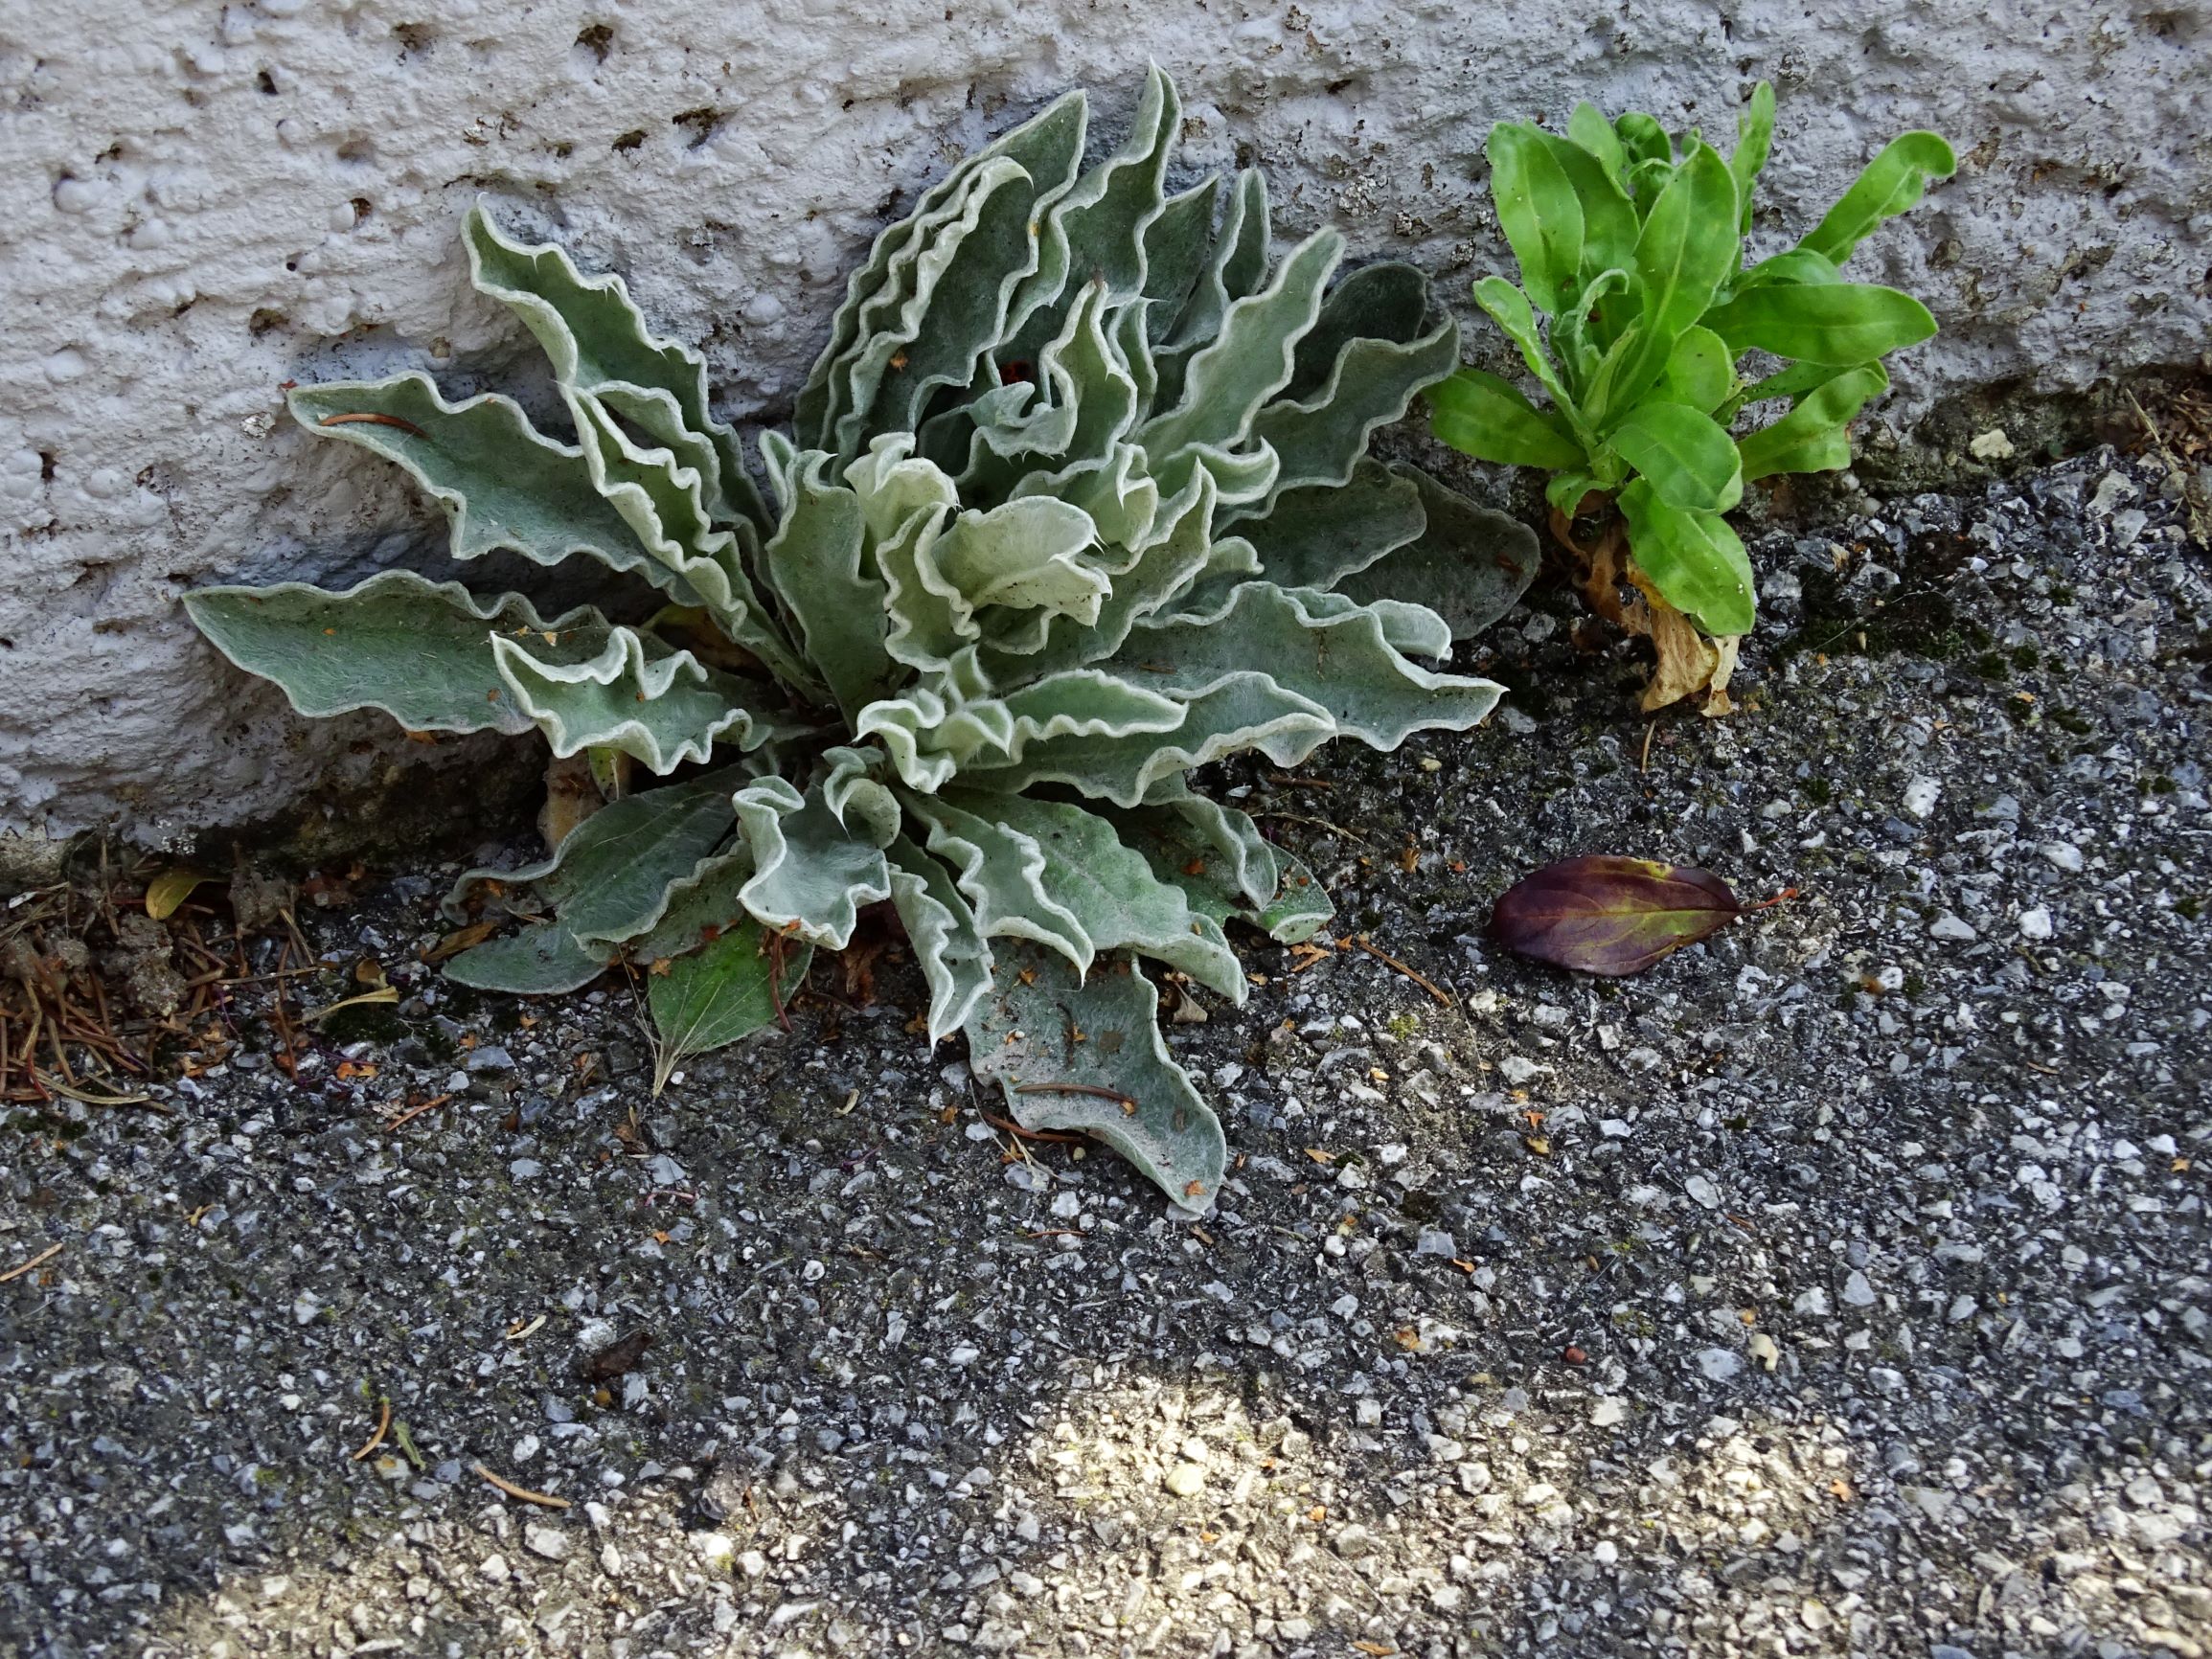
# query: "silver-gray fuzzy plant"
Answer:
x=1078 y=500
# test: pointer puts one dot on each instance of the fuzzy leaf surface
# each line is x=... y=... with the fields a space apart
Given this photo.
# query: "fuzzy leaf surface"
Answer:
x=1337 y=656
x=612 y=879
x=420 y=651
x=1371 y=383
x=1469 y=564
x=1047 y=147
x=1097 y=230
x=939 y=925
x=1248 y=363
x=1226 y=868
x=661 y=707
x=1301 y=907
x=1055 y=873
x=818 y=563
x=699 y=907
x=1086 y=1054
x=542 y=960
x=811 y=874
x=600 y=347
x=1238 y=267
x=1317 y=537
x=501 y=484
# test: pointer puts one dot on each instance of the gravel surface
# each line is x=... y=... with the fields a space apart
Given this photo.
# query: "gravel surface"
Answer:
x=1839 y=1287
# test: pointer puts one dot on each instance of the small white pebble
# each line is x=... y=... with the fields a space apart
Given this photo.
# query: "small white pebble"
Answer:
x=1718 y=1364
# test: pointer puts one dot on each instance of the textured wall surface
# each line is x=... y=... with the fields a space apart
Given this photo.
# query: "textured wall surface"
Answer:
x=201 y=202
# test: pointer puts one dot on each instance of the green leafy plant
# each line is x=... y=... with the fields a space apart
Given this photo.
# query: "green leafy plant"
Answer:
x=1632 y=253
x=1077 y=500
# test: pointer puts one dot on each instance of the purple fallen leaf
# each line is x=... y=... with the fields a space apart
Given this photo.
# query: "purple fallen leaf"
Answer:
x=1610 y=916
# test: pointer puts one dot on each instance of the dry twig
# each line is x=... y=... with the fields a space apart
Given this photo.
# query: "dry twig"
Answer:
x=46 y=1254
x=1015 y=1129
x=1114 y=1095
x=1318 y=824
x=383 y=1425
x=87 y=1097
x=413 y=1112
x=543 y=1500
x=1389 y=961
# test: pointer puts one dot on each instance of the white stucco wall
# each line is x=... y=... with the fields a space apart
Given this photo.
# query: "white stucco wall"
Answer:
x=199 y=201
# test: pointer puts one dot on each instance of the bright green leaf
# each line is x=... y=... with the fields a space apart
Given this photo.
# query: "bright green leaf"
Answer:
x=1509 y=308
x=1797 y=267
x=1568 y=491
x=1489 y=418
x=1648 y=181
x=1893 y=183
x=1643 y=139
x=1694 y=560
x=1754 y=138
x=1687 y=250
x=1816 y=435
x=1589 y=326
x=1688 y=461
x=1842 y=322
x=1591 y=130
x=1792 y=383
x=1700 y=372
x=1539 y=212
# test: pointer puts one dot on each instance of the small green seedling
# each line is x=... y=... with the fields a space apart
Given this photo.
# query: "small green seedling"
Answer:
x=1632 y=250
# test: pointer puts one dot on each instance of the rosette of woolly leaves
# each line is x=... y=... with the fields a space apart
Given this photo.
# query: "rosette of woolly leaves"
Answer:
x=1077 y=501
